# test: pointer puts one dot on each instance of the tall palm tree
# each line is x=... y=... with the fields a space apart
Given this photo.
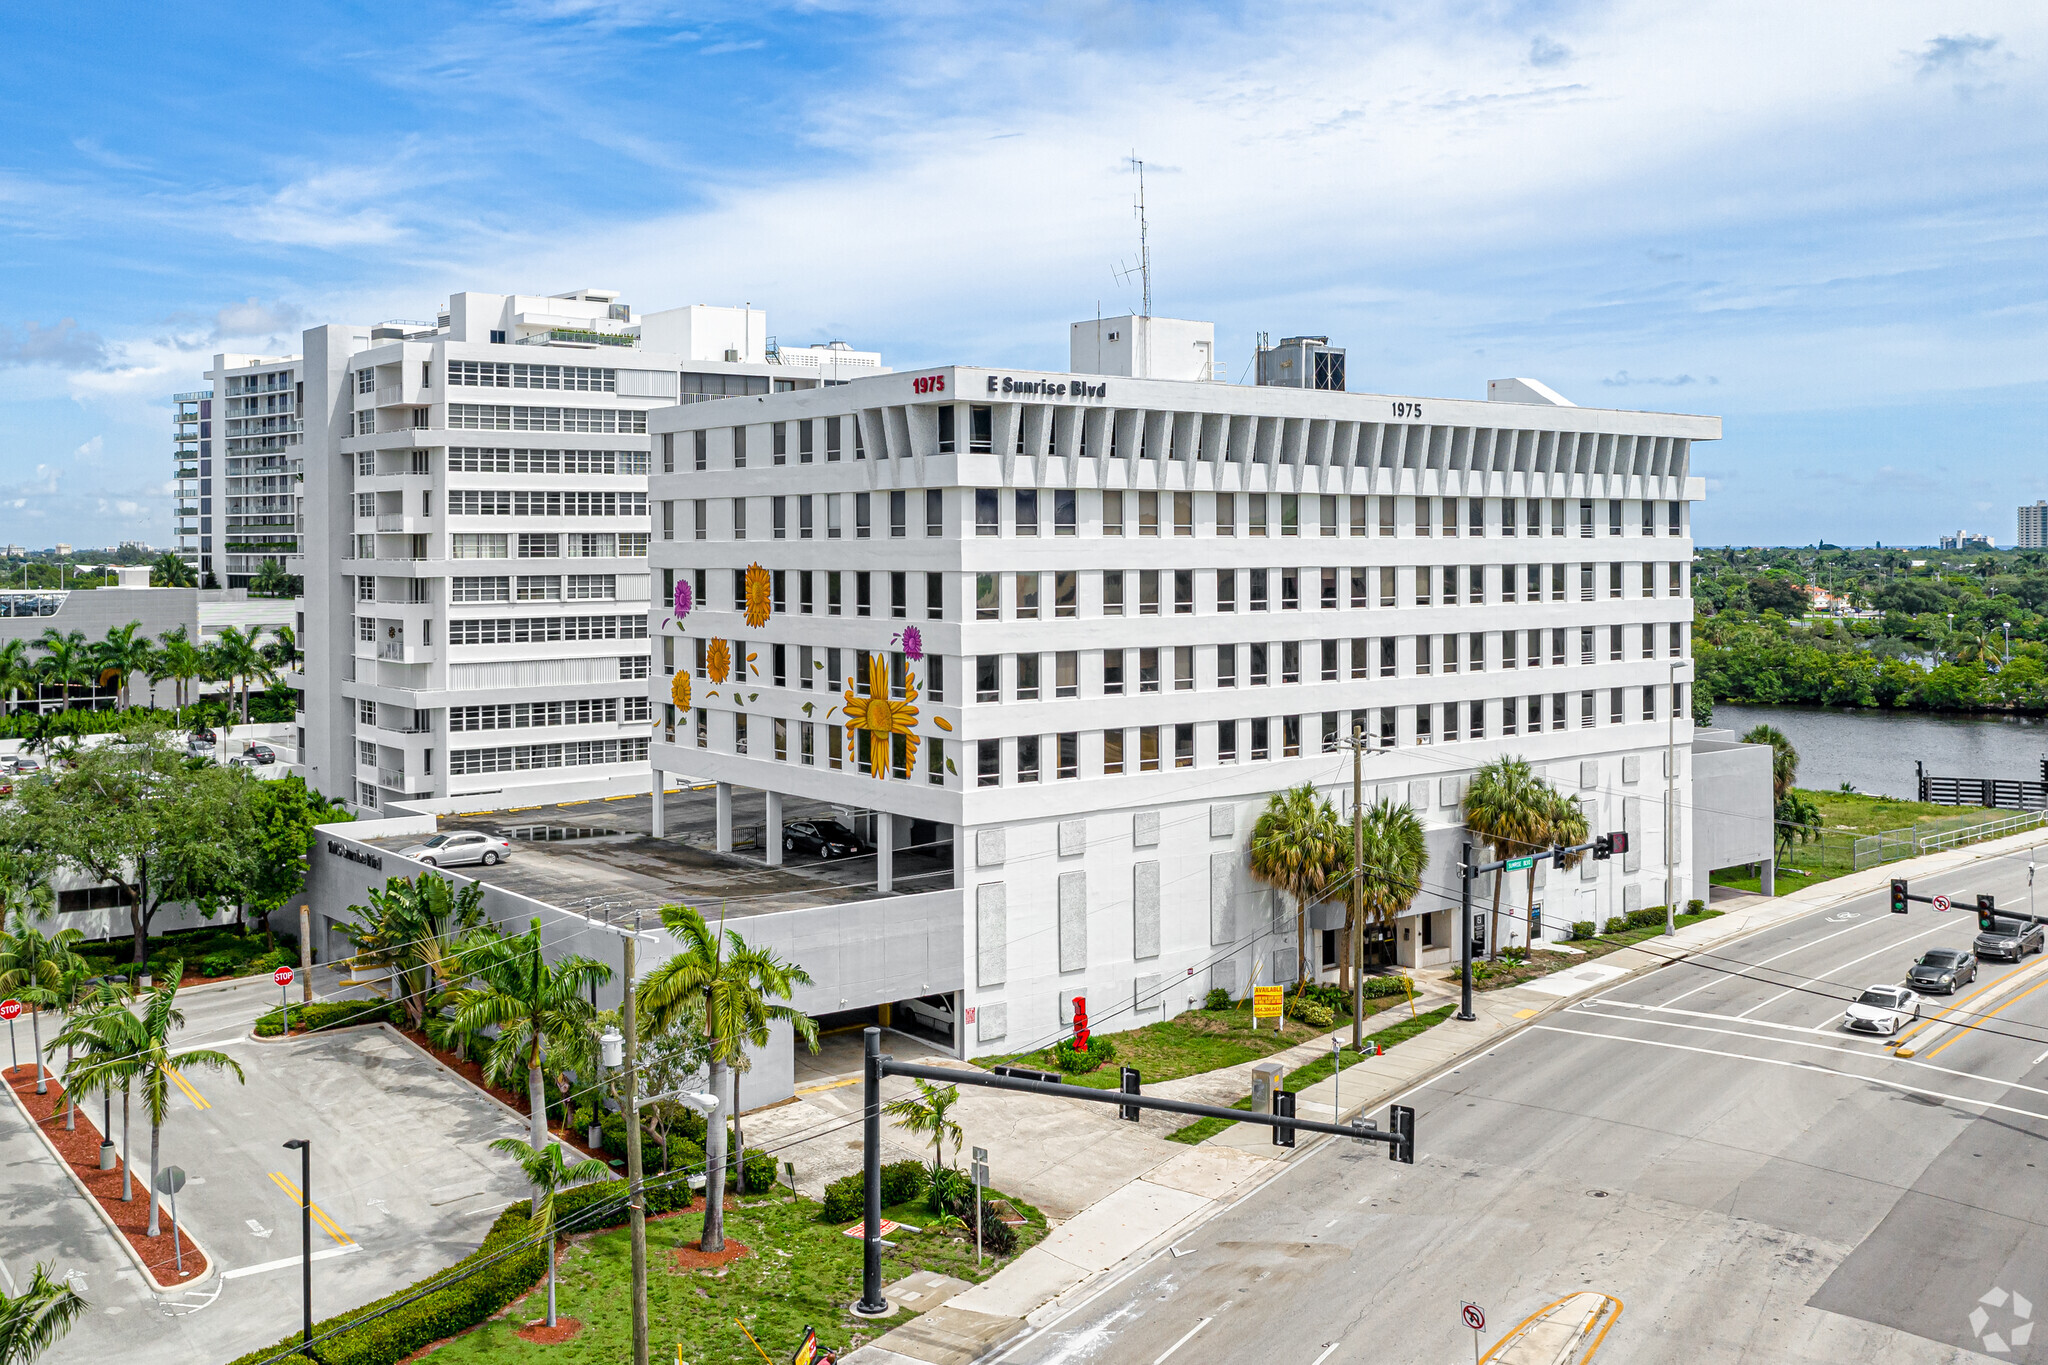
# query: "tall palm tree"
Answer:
x=167 y=570
x=111 y=1045
x=532 y=1004
x=926 y=1113
x=547 y=1172
x=33 y=966
x=281 y=651
x=1298 y=847
x=1566 y=825
x=235 y=660
x=736 y=985
x=181 y=661
x=1505 y=808
x=124 y=653
x=19 y=676
x=416 y=926
x=1784 y=758
x=35 y=1319
x=66 y=662
x=159 y=1016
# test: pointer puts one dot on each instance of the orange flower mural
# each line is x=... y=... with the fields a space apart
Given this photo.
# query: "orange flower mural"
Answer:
x=718 y=661
x=878 y=717
x=759 y=605
x=679 y=691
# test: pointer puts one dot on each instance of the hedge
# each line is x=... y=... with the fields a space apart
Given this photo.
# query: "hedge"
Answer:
x=330 y=1014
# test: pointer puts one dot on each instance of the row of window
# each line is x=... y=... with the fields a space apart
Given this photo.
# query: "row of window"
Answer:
x=552 y=502
x=534 y=587
x=499 y=417
x=520 y=630
x=818 y=668
x=511 y=460
x=500 y=375
x=544 y=714
x=534 y=545
x=799 y=741
x=525 y=757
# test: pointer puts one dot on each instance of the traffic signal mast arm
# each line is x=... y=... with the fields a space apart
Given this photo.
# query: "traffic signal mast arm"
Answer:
x=1602 y=847
x=1988 y=913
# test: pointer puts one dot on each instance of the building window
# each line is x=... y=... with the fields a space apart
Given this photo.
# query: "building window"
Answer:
x=1226 y=741
x=1261 y=736
x=1063 y=512
x=1113 y=592
x=1226 y=665
x=988 y=677
x=935 y=757
x=1027 y=512
x=1148 y=749
x=1259 y=674
x=935 y=597
x=1184 y=668
x=1226 y=590
x=1148 y=592
x=1027 y=596
x=1183 y=592
x=946 y=425
x=1183 y=746
x=1257 y=578
x=1070 y=754
x=899 y=595
x=862 y=504
x=1255 y=505
x=1148 y=514
x=1065 y=671
x=988 y=605
x=934 y=514
x=1027 y=677
x=1112 y=672
x=1226 y=514
x=987 y=511
x=981 y=438
x=1065 y=588
x=1424 y=733
x=1112 y=753
x=1183 y=514
x=1290 y=662
x=988 y=763
x=1113 y=512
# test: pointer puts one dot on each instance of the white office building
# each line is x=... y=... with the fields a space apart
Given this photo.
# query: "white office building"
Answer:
x=476 y=599
x=2033 y=529
x=1095 y=618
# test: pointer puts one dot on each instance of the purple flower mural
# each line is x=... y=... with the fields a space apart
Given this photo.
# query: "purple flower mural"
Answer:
x=913 y=644
x=682 y=598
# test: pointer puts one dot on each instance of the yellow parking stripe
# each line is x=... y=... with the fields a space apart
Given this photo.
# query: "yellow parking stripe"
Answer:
x=198 y=1100
x=1963 y=1029
x=327 y=1225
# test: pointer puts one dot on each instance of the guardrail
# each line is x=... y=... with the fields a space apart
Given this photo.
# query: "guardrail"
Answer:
x=1888 y=846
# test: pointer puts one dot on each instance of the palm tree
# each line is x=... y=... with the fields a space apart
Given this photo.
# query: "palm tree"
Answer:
x=1784 y=758
x=65 y=661
x=181 y=661
x=547 y=1172
x=235 y=660
x=111 y=1045
x=416 y=929
x=1565 y=825
x=33 y=966
x=1504 y=809
x=282 y=650
x=18 y=673
x=169 y=571
x=122 y=654
x=533 y=1005
x=159 y=1016
x=32 y=1321
x=1298 y=845
x=926 y=1113
x=736 y=984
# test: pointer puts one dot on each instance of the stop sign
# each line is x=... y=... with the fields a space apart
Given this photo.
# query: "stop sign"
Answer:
x=282 y=976
x=10 y=1010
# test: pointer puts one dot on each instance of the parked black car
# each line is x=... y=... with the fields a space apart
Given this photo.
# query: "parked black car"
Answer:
x=1942 y=969
x=2011 y=941
x=825 y=838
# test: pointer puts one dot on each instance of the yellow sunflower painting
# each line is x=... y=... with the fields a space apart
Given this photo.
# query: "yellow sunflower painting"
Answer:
x=718 y=661
x=878 y=717
x=759 y=605
x=679 y=691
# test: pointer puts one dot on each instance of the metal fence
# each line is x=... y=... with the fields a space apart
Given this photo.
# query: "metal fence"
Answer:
x=1888 y=846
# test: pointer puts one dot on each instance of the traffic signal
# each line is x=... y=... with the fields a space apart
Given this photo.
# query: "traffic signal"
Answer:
x=1986 y=919
x=1401 y=1119
x=1127 y=1082
x=1283 y=1108
x=1607 y=845
x=1898 y=896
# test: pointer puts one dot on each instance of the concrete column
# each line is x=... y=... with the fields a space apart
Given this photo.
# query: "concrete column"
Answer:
x=660 y=781
x=725 y=817
x=960 y=1025
x=885 y=851
x=1770 y=880
x=772 y=831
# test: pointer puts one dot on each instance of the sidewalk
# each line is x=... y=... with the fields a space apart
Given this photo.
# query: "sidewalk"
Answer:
x=1170 y=1199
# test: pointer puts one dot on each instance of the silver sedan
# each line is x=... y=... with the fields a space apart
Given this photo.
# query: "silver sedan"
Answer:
x=462 y=846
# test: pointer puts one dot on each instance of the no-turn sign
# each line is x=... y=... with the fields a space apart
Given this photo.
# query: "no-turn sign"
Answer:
x=282 y=976
x=1475 y=1317
x=10 y=1010
x=1941 y=904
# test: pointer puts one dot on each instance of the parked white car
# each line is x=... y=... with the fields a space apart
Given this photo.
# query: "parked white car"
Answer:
x=462 y=846
x=1882 y=1010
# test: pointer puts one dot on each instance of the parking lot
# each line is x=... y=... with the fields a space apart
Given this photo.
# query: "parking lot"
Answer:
x=402 y=1177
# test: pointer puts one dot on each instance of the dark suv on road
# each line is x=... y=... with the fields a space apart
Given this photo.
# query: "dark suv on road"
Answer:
x=2011 y=940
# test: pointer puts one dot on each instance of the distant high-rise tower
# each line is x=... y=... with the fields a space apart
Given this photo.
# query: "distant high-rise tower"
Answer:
x=2034 y=527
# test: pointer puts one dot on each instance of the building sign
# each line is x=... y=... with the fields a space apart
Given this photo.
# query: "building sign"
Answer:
x=928 y=383
x=1046 y=388
x=1268 y=1001
x=373 y=861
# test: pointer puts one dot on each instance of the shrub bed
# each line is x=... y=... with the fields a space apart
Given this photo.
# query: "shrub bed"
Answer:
x=330 y=1014
x=1074 y=1063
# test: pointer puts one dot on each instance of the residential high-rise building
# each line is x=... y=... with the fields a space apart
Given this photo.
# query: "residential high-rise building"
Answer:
x=1056 y=638
x=1969 y=540
x=476 y=583
x=249 y=486
x=2034 y=527
x=191 y=414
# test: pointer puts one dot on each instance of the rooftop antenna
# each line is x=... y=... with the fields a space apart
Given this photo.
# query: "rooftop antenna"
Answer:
x=1144 y=270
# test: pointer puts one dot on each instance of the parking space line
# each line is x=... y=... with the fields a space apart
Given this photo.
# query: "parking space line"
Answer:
x=191 y=1092
x=327 y=1225
x=331 y=1252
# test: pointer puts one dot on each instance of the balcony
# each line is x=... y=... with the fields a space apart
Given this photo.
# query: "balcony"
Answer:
x=576 y=336
x=402 y=395
x=402 y=523
x=399 y=652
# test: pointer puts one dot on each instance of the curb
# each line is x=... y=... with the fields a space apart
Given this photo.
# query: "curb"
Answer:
x=120 y=1238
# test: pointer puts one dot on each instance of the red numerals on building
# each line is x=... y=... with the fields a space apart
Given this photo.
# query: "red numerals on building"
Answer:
x=930 y=383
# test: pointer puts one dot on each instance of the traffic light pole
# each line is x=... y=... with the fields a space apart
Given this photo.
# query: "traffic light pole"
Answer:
x=1602 y=848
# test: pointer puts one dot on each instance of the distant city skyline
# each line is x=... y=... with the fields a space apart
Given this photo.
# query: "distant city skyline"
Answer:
x=1678 y=210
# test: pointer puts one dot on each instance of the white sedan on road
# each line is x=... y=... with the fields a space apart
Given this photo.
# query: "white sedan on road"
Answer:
x=1882 y=1010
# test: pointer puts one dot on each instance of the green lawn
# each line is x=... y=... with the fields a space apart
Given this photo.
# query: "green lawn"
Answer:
x=1843 y=817
x=1302 y=1077
x=1503 y=972
x=1189 y=1044
x=802 y=1272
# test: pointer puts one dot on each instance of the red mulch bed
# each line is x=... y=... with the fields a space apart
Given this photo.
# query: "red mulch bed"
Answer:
x=80 y=1147
x=543 y=1335
x=689 y=1258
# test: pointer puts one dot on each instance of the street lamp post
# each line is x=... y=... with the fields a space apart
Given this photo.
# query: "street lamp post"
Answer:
x=1671 y=807
x=305 y=1149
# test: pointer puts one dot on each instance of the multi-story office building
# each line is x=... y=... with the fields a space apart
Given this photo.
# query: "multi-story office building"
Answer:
x=476 y=577
x=2034 y=527
x=1070 y=631
x=191 y=415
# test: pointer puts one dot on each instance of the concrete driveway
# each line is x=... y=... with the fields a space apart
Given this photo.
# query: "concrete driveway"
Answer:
x=402 y=1177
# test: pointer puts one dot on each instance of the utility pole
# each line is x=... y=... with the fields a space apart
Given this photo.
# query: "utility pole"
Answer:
x=1465 y=1014
x=1357 y=945
x=1671 y=809
x=636 y=1202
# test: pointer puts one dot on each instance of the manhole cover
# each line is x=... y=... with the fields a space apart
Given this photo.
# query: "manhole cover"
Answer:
x=1596 y=1194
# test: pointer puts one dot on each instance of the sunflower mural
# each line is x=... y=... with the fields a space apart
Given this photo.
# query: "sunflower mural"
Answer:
x=679 y=691
x=718 y=661
x=878 y=717
x=759 y=605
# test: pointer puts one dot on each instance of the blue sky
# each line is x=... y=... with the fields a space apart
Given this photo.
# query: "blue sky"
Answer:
x=1823 y=222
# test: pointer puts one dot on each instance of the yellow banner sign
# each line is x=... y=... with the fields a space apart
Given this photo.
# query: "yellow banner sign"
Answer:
x=1268 y=1001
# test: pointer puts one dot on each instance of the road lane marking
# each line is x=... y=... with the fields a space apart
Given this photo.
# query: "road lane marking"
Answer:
x=191 y=1092
x=328 y=1254
x=1183 y=1341
x=1797 y=1066
x=1712 y=980
x=1932 y=1027
x=1963 y=1029
x=1588 y=1007
x=1825 y=973
x=1327 y=1351
x=327 y=1225
x=2040 y=1059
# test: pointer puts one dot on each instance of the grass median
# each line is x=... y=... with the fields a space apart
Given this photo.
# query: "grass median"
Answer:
x=1322 y=1068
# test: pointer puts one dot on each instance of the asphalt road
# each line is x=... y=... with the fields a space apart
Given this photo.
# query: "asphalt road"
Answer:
x=402 y=1178
x=1705 y=1143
